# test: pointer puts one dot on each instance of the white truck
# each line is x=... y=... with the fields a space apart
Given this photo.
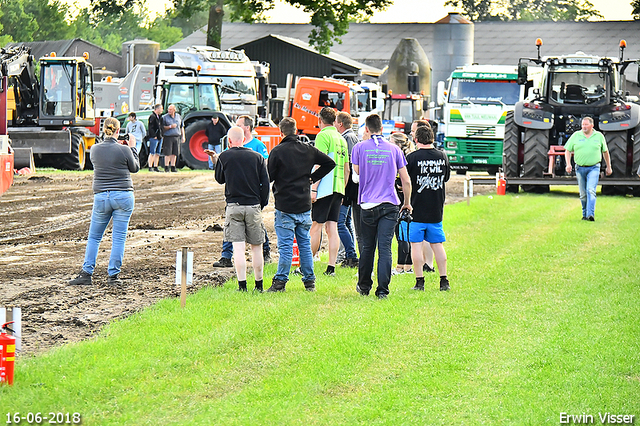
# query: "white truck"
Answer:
x=475 y=100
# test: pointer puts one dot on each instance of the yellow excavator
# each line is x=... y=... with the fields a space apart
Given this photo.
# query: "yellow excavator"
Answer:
x=53 y=115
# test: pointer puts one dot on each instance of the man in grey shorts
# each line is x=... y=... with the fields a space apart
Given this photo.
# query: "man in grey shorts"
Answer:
x=244 y=173
x=173 y=137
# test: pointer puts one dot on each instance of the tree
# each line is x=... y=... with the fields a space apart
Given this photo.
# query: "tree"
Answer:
x=527 y=10
x=636 y=9
x=329 y=17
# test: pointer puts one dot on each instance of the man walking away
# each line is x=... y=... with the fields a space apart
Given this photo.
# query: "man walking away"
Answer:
x=428 y=169
x=350 y=200
x=246 y=191
x=589 y=146
x=378 y=162
x=326 y=207
x=290 y=166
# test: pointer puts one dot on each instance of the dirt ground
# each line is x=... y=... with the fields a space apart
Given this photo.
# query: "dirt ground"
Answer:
x=44 y=221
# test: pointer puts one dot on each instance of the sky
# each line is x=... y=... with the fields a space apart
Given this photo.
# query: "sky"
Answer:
x=400 y=11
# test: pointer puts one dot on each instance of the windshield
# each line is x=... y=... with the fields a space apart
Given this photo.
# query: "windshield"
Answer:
x=577 y=85
x=58 y=89
x=181 y=93
x=400 y=110
x=364 y=104
x=471 y=90
x=209 y=97
x=235 y=88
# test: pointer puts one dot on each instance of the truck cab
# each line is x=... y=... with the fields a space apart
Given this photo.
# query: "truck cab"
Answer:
x=475 y=101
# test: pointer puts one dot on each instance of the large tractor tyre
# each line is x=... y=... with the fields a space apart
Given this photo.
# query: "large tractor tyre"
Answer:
x=192 y=150
x=617 y=146
x=510 y=151
x=635 y=168
x=536 y=160
x=75 y=160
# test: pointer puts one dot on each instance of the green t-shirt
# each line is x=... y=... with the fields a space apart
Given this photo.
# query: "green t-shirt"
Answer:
x=587 y=151
x=333 y=144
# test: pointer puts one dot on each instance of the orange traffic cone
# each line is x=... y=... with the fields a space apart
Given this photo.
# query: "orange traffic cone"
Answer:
x=296 y=254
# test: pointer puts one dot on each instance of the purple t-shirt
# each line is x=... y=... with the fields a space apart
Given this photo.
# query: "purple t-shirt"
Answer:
x=379 y=162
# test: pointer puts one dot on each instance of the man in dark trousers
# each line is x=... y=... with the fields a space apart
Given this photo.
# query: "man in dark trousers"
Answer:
x=428 y=169
x=290 y=169
x=215 y=132
x=246 y=191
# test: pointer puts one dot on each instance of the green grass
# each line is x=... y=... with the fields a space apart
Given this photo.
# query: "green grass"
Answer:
x=542 y=318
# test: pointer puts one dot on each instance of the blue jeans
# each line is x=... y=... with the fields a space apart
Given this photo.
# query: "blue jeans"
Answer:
x=378 y=225
x=344 y=230
x=587 y=183
x=217 y=149
x=227 y=247
x=116 y=205
x=287 y=226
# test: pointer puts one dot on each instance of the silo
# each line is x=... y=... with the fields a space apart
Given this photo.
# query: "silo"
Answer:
x=452 y=46
x=408 y=57
x=139 y=51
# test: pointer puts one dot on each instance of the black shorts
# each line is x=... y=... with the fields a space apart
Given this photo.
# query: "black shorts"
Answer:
x=327 y=209
x=171 y=145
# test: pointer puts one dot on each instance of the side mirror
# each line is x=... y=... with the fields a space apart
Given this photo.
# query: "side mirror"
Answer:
x=522 y=72
x=442 y=96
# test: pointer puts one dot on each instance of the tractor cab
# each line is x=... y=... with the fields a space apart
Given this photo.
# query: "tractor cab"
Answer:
x=66 y=92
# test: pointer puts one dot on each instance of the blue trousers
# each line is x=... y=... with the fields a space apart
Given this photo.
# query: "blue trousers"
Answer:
x=109 y=205
x=587 y=182
x=287 y=226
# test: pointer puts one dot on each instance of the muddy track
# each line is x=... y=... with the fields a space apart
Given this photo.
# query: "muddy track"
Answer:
x=44 y=221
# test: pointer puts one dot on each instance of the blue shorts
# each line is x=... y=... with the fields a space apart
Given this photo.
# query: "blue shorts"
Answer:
x=419 y=232
x=155 y=145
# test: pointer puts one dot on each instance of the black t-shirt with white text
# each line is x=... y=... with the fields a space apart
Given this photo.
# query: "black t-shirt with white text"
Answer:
x=429 y=170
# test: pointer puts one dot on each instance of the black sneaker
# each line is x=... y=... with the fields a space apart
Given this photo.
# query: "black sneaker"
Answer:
x=591 y=219
x=276 y=286
x=114 y=280
x=173 y=169
x=310 y=285
x=258 y=289
x=297 y=271
x=351 y=262
x=223 y=263
x=361 y=291
x=444 y=284
x=419 y=285
x=382 y=296
x=242 y=289
x=584 y=218
x=426 y=268
x=166 y=169
x=329 y=273
x=84 y=278
x=150 y=169
x=155 y=169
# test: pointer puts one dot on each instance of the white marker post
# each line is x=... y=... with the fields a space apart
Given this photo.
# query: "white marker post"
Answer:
x=184 y=272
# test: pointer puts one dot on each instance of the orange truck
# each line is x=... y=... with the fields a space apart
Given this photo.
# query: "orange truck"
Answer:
x=310 y=96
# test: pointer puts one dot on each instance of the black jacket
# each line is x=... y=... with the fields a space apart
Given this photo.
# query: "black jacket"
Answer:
x=290 y=169
x=155 y=131
x=244 y=174
x=215 y=132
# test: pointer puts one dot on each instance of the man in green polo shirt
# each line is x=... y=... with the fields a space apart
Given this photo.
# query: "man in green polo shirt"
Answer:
x=588 y=147
x=327 y=194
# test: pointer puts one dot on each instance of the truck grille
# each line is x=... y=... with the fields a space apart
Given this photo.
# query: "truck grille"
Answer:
x=489 y=131
x=477 y=147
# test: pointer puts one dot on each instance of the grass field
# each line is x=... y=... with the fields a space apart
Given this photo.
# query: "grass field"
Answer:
x=542 y=319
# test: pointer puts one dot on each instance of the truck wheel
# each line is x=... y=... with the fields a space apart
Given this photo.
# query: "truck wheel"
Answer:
x=510 y=151
x=636 y=159
x=617 y=145
x=536 y=146
x=75 y=160
x=192 y=150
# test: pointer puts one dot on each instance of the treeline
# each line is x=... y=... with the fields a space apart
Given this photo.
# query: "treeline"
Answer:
x=108 y=27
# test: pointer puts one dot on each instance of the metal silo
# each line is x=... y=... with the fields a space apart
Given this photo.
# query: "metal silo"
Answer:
x=452 y=46
x=408 y=57
x=139 y=51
